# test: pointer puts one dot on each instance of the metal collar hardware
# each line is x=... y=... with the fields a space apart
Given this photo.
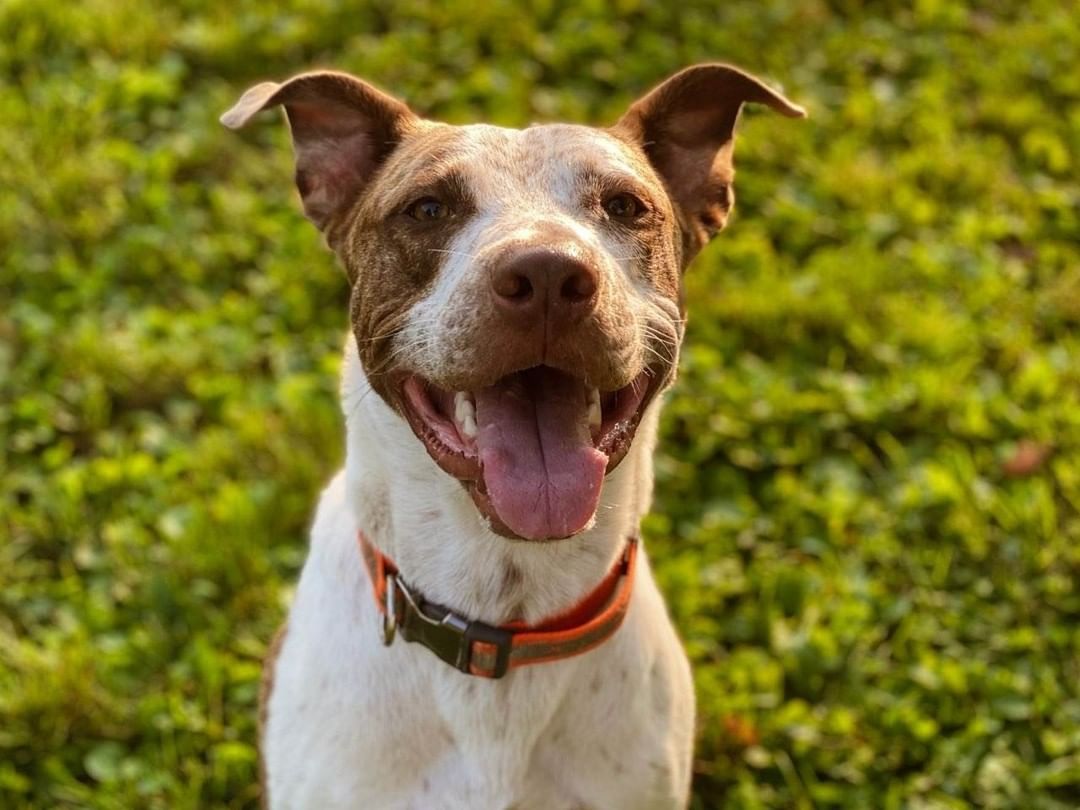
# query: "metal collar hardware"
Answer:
x=484 y=650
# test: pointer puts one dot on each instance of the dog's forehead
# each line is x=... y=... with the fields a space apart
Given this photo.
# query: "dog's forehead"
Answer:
x=496 y=162
x=543 y=154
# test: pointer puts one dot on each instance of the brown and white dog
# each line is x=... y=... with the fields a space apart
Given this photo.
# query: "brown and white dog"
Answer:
x=516 y=309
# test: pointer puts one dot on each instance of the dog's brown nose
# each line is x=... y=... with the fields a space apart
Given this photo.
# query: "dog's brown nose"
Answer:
x=544 y=281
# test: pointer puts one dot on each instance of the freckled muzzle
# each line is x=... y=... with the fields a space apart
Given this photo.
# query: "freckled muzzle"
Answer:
x=532 y=449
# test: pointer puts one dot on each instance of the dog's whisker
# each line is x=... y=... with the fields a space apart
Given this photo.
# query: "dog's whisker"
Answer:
x=453 y=252
x=355 y=407
x=405 y=323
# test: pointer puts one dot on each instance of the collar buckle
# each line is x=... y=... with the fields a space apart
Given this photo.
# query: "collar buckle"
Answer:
x=450 y=636
x=483 y=650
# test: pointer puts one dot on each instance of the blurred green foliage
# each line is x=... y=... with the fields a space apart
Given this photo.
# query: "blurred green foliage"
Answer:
x=867 y=513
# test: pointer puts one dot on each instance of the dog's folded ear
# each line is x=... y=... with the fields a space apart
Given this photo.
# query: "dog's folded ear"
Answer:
x=686 y=126
x=342 y=130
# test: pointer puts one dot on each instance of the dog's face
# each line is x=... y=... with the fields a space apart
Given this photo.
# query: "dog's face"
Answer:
x=516 y=294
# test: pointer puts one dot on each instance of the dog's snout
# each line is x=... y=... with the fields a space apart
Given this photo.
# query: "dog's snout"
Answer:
x=545 y=282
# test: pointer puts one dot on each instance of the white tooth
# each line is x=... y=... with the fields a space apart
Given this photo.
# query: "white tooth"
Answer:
x=463 y=406
x=594 y=408
x=465 y=413
x=468 y=426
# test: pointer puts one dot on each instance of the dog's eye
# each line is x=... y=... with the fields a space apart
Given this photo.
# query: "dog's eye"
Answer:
x=624 y=206
x=427 y=209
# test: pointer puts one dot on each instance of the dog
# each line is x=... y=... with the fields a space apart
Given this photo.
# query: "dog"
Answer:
x=476 y=625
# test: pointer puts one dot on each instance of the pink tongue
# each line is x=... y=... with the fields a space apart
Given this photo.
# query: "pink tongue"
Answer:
x=541 y=471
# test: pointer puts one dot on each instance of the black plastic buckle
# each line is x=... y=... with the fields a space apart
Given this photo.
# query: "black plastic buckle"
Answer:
x=448 y=635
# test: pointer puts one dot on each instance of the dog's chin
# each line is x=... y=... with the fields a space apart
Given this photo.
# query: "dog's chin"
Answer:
x=533 y=449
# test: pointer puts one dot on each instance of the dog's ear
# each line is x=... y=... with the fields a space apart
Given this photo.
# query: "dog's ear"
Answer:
x=686 y=127
x=342 y=130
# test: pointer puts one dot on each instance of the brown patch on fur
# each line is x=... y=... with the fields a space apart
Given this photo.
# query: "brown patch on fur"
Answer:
x=392 y=259
x=266 y=687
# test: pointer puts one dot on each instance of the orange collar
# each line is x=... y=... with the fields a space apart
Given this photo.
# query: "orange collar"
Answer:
x=488 y=651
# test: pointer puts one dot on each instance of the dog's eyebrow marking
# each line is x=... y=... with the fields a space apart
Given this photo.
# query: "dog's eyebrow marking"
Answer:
x=447 y=184
x=591 y=181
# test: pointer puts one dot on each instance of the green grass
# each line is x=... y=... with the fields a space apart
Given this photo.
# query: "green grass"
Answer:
x=869 y=483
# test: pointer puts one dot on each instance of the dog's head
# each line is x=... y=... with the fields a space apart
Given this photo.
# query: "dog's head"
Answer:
x=516 y=294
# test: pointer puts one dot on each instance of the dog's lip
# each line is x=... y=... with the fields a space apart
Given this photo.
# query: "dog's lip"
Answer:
x=426 y=407
x=452 y=451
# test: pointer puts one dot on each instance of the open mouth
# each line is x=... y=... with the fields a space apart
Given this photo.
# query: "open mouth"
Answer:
x=533 y=448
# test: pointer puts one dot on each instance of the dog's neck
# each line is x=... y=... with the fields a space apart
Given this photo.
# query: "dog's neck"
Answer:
x=426 y=522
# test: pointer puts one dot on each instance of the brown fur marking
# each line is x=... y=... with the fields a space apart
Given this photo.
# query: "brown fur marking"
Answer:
x=391 y=258
x=266 y=687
